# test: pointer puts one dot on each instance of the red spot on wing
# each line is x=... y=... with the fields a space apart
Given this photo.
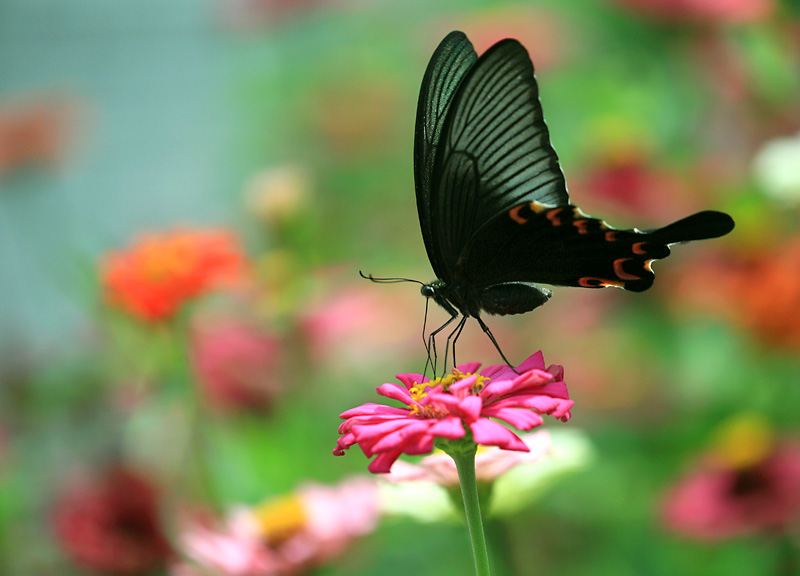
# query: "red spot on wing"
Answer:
x=514 y=214
x=582 y=226
x=611 y=236
x=638 y=248
x=554 y=216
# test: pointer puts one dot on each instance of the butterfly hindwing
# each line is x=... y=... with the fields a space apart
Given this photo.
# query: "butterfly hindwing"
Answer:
x=562 y=246
x=451 y=61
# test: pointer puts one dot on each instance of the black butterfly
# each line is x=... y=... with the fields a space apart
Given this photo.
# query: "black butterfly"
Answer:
x=493 y=203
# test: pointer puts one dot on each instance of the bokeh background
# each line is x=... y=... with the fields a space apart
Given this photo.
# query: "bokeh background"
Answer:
x=286 y=128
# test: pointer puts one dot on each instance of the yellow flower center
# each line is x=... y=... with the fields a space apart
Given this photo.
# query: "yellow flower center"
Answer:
x=419 y=391
x=743 y=441
x=280 y=518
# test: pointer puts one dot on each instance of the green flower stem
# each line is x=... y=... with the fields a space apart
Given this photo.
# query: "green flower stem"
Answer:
x=465 y=464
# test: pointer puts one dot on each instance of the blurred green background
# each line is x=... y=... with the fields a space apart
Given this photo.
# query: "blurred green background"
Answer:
x=134 y=116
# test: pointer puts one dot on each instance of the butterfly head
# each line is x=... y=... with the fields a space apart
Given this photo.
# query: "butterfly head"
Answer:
x=433 y=289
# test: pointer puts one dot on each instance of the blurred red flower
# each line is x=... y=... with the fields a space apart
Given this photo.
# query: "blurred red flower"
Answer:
x=627 y=183
x=153 y=278
x=111 y=524
x=235 y=363
x=747 y=483
x=722 y=11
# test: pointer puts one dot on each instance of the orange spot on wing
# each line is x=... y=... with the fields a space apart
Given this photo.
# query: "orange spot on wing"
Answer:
x=637 y=248
x=514 y=214
x=621 y=274
x=589 y=282
x=611 y=236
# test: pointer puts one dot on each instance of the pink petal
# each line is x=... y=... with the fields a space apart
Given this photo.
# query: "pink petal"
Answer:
x=401 y=436
x=519 y=418
x=556 y=407
x=471 y=407
x=370 y=409
x=557 y=371
x=469 y=367
x=490 y=433
x=450 y=428
x=419 y=446
x=532 y=362
x=395 y=392
x=382 y=463
x=409 y=379
x=463 y=385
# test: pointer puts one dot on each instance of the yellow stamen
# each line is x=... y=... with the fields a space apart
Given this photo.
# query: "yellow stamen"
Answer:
x=419 y=391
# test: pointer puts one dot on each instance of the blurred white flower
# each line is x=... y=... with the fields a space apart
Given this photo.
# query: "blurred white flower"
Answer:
x=278 y=193
x=777 y=168
x=570 y=451
x=520 y=478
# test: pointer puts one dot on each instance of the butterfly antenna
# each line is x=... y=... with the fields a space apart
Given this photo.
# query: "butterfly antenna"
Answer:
x=387 y=280
x=496 y=345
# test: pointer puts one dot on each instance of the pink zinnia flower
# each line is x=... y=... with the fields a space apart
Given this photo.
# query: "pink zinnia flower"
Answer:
x=282 y=536
x=449 y=407
x=721 y=11
x=236 y=363
x=745 y=484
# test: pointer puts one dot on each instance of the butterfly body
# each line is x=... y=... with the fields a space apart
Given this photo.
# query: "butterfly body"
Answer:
x=492 y=199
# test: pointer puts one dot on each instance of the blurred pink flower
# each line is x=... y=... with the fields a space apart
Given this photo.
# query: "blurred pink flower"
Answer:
x=721 y=11
x=490 y=462
x=253 y=14
x=111 y=524
x=282 y=536
x=718 y=501
x=447 y=407
x=361 y=324
x=236 y=363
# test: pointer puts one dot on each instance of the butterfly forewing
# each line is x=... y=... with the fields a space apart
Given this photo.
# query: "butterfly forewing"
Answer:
x=496 y=137
x=449 y=64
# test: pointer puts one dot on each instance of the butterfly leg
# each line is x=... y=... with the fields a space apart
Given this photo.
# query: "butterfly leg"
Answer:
x=431 y=345
x=496 y=345
x=454 y=336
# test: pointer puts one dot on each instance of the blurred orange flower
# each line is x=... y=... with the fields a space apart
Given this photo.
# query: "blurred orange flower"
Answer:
x=758 y=290
x=153 y=278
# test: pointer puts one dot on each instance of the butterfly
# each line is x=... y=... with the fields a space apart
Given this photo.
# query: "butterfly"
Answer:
x=492 y=199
